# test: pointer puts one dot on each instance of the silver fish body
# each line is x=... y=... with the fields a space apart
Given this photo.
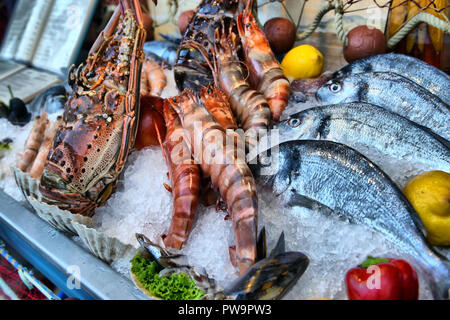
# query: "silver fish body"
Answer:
x=165 y=50
x=368 y=128
x=425 y=75
x=392 y=92
x=344 y=181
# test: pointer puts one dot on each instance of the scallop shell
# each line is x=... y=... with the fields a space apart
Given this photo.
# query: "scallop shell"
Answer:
x=60 y=219
x=26 y=184
x=103 y=246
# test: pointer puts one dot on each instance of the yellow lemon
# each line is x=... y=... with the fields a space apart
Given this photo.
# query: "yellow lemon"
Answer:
x=429 y=193
x=302 y=62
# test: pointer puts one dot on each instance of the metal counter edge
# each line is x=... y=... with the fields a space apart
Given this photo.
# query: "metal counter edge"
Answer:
x=54 y=254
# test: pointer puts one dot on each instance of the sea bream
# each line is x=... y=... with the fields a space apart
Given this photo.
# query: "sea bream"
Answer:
x=339 y=179
x=392 y=92
x=370 y=130
x=425 y=75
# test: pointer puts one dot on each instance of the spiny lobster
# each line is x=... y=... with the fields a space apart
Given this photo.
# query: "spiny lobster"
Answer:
x=100 y=118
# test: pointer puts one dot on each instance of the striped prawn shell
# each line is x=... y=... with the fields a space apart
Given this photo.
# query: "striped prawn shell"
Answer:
x=248 y=104
x=265 y=71
x=216 y=102
x=184 y=176
x=229 y=173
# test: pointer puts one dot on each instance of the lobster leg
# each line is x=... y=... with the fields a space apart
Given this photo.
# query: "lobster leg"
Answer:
x=135 y=6
x=132 y=97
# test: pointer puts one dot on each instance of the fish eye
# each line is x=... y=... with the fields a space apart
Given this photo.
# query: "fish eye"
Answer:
x=335 y=87
x=265 y=160
x=294 y=122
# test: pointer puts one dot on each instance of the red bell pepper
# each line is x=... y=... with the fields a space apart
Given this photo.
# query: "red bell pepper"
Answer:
x=382 y=279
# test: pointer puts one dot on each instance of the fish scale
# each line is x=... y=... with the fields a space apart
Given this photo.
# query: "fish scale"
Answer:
x=344 y=181
x=365 y=127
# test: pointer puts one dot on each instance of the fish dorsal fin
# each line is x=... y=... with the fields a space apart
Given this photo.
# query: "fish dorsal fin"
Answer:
x=261 y=246
x=279 y=247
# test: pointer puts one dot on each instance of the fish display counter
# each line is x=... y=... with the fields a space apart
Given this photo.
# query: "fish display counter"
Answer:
x=218 y=163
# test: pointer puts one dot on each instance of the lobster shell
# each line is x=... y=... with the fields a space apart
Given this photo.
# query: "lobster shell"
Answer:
x=100 y=121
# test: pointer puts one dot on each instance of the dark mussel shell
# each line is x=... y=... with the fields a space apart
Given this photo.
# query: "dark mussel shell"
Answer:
x=270 y=278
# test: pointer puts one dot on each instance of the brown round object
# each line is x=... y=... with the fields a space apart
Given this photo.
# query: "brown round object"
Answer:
x=364 y=41
x=148 y=25
x=184 y=19
x=281 y=34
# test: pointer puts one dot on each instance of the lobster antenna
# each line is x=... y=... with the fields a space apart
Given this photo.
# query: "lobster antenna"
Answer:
x=249 y=5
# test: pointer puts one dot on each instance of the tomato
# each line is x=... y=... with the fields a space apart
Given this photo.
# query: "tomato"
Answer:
x=150 y=122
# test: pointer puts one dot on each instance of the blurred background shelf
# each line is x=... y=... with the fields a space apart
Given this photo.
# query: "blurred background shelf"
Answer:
x=55 y=255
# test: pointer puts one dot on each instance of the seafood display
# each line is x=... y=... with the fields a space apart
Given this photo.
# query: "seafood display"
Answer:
x=99 y=121
x=342 y=180
x=178 y=161
x=249 y=106
x=256 y=87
